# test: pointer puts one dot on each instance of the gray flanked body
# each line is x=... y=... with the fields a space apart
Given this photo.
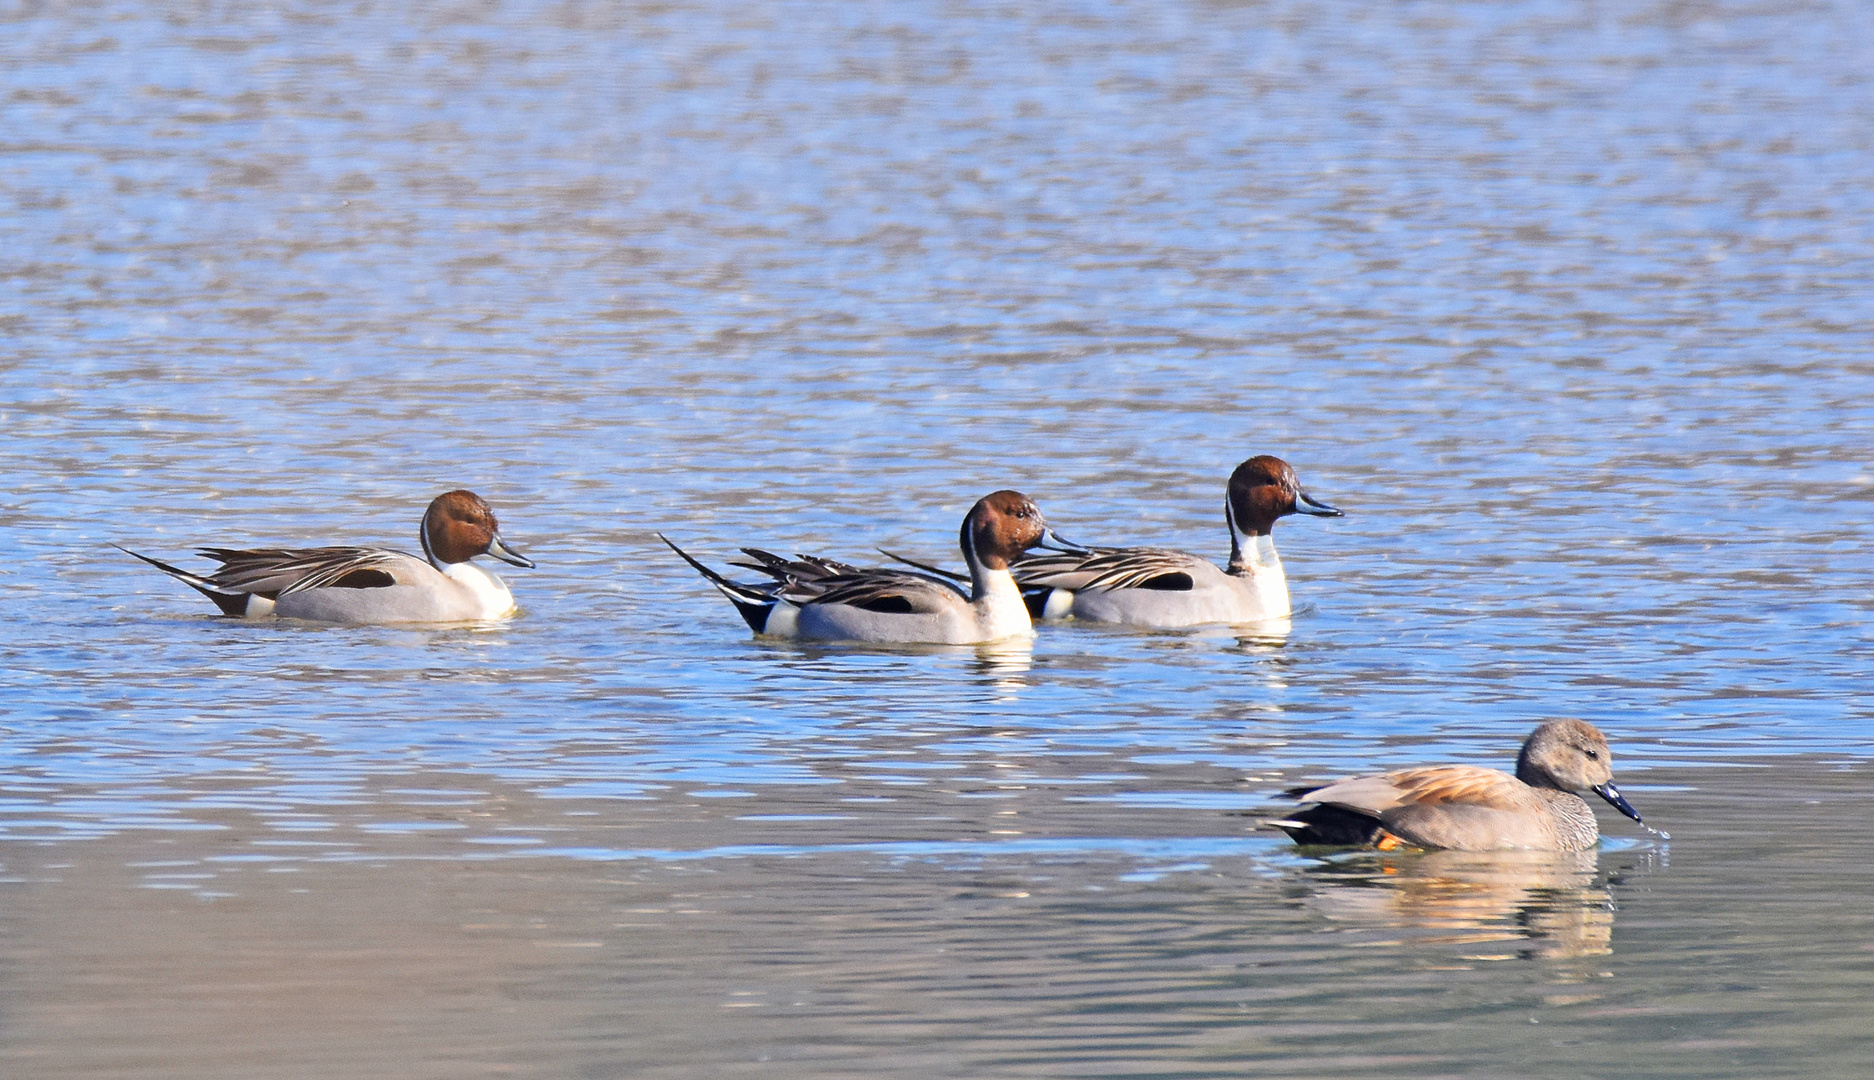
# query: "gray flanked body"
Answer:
x=1160 y=587
x=1537 y=818
x=1253 y=590
x=369 y=585
x=420 y=592
x=1468 y=808
x=941 y=614
x=820 y=599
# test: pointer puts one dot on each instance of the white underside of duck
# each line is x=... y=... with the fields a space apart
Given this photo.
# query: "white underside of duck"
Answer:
x=455 y=592
x=953 y=619
x=1256 y=593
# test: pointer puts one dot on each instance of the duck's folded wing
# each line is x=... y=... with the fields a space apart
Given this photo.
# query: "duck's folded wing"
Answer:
x=1448 y=784
x=798 y=568
x=1437 y=785
x=894 y=591
x=274 y=572
x=1109 y=568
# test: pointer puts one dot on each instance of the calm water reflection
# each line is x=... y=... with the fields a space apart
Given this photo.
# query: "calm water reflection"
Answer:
x=1568 y=306
x=1529 y=904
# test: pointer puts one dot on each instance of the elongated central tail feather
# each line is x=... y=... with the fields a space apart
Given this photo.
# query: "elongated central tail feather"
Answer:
x=754 y=603
x=230 y=603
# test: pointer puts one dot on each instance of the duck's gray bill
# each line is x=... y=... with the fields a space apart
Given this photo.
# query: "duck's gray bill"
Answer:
x=1053 y=542
x=1615 y=799
x=499 y=549
x=1307 y=504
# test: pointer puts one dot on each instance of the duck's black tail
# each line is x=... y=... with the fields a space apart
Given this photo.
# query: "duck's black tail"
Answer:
x=1330 y=826
x=230 y=603
x=753 y=601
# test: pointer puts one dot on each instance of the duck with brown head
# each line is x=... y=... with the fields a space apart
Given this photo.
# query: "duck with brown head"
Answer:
x=811 y=597
x=1161 y=587
x=1469 y=808
x=369 y=585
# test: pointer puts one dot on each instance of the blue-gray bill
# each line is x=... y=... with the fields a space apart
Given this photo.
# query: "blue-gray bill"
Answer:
x=499 y=549
x=1615 y=799
x=1052 y=541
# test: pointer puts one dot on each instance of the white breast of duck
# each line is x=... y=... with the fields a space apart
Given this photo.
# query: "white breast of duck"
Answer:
x=900 y=606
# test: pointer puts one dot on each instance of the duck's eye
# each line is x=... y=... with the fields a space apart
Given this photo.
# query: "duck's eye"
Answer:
x=1593 y=755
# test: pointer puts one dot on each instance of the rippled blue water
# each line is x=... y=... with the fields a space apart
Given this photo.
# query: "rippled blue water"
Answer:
x=1567 y=305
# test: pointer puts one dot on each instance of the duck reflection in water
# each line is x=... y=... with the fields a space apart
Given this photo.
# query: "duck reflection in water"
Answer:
x=1263 y=636
x=1534 y=904
x=1005 y=665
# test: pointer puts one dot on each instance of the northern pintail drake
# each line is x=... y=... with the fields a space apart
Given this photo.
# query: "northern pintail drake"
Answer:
x=368 y=585
x=811 y=597
x=1159 y=587
x=1469 y=808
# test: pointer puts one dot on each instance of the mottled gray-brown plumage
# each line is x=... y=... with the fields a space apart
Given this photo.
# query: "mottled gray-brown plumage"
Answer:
x=1468 y=808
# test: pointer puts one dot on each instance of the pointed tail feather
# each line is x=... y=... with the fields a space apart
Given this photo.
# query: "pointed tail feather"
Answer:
x=753 y=603
x=926 y=567
x=230 y=603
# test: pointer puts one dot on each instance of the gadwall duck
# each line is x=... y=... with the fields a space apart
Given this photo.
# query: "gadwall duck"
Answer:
x=1469 y=808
